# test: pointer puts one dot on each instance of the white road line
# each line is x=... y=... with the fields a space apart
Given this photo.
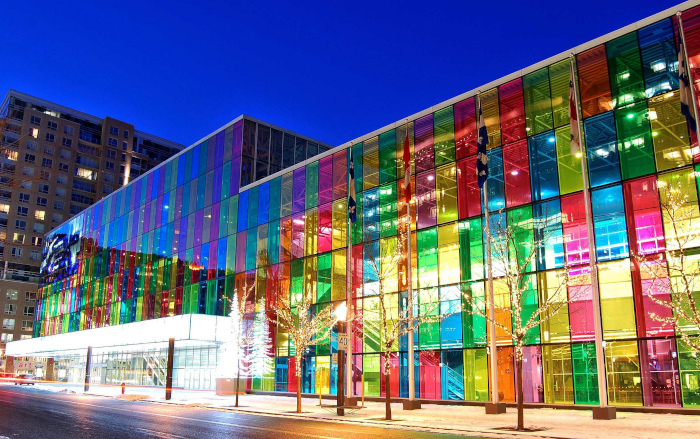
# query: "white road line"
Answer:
x=250 y=427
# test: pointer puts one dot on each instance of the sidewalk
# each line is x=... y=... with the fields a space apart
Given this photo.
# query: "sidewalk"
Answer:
x=466 y=420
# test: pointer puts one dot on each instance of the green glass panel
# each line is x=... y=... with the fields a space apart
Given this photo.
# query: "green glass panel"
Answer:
x=476 y=381
x=520 y=248
x=251 y=249
x=444 y=136
x=226 y=180
x=312 y=185
x=634 y=140
x=471 y=250
x=585 y=373
x=273 y=241
x=427 y=258
x=231 y=254
x=323 y=292
x=625 y=69
x=569 y=166
x=690 y=374
x=473 y=325
x=388 y=210
x=387 y=157
x=232 y=214
x=371 y=322
x=559 y=74
x=211 y=297
x=275 y=198
x=223 y=217
x=538 y=102
x=372 y=375
x=357 y=230
x=297 y=280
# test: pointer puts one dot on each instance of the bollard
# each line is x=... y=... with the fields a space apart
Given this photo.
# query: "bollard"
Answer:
x=123 y=388
x=363 y=389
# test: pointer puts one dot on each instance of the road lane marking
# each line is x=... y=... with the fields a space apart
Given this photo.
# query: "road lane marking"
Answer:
x=183 y=418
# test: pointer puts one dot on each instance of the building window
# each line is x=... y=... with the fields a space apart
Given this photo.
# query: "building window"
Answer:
x=109 y=178
x=23 y=198
x=38 y=228
x=16 y=252
x=63 y=167
x=43 y=188
x=35 y=120
x=22 y=211
x=68 y=130
x=10 y=309
x=11 y=295
x=67 y=142
x=40 y=215
x=125 y=146
x=57 y=218
x=58 y=204
x=37 y=241
x=4 y=208
x=6 y=338
x=27 y=325
x=20 y=225
x=49 y=149
x=112 y=154
x=46 y=163
x=60 y=192
x=113 y=142
x=121 y=169
x=35 y=133
x=18 y=238
x=109 y=166
x=113 y=130
x=41 y=201
x=62 y=179
x=8 y=324
x=107 y=189
x=35 y=255
x=51 y=125
x=32 y=145
x=29 y=158
x=50 y=137
x=30 y=296
x=28 y=310
x=65 y=154
x=27 y=171
x=126 y=134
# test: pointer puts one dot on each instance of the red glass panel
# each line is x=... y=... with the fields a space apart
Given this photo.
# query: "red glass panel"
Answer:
x=517 y=174
x=644 y=216
x=465 y=127
x=512 y=109
x=594 y=84
x=429 y=371
x=469 y=195
x=573 y=217
x=285 y=239
x=393 y=374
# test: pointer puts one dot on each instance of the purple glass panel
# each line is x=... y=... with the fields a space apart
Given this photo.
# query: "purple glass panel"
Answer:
x=159 y=211
x=216 y=190
x=235 y=175
x=219 y=153
x=325 y=180
x=424 y=152
x=161 y=181
x=240 y=249
x=299 y=190
x=146 y=216
x=183 y=235
x=237 y=138
x=214 y=235
x=198 y=220
x=211 y=153
x=178 y=202
x=149 y=185
x=427 y=204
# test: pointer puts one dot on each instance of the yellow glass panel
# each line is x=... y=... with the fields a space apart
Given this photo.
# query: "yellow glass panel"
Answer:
x=311 y=232
x=338 y=275
x=624 y=379
x=558 y=374
x=340 y=224
x=448 y=253
x=669 y=131
x=675 y=187
x=501 y=298
x=489 y=105
x=310 y=271
x=616 y=300
x=555 y=328
x=389 y=265
x=323 y=374
x=446 y=193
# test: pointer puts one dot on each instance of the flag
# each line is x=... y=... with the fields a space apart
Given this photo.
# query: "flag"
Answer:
x=573 y=114
x=407 y=167
x=352 y=204
x=482 y=159
x=686 y=92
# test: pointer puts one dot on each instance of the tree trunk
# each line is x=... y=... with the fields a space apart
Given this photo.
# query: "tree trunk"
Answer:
x=298 y=387
x=387 y=383
x=238 y=379
x=519 y=366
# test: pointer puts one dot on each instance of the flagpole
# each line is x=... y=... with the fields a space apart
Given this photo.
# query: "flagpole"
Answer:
x=604 y=412
x=495 y=407
x=687 y=71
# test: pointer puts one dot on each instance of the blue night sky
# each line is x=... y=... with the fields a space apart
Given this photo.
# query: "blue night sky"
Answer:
x=330 y=70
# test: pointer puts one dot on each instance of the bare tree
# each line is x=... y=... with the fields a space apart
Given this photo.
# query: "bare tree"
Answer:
x=381 y=267
x=674 y=273
x=515 y=248
x=306 y=324
x=249 y=337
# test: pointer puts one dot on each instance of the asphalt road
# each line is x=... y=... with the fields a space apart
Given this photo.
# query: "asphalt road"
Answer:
x=32 y=413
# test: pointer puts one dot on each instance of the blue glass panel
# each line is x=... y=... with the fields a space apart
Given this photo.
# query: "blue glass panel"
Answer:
x=264 y=203
x=659 y=57
x=543 y=166
x=253 y=194
x=452 y=374
x=451 y=326
x=242 y=211
x=370 y=213
x=194 y=165
x=275 y=198
x=609 y=222
x=495 y=183
x=601 y=143
x=548 y=229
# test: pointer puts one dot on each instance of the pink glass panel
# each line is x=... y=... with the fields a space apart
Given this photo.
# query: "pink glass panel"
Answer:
x=465 y=127
x=581 y=307
x=325 y=180
x=644 y=216
x=512 y=109
x=426 y=201
x=298 y=235
x=429 y=371
x=573 y=218
x=424 y=151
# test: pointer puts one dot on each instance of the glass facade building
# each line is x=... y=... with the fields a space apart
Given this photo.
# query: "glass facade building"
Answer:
x=226 y=213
